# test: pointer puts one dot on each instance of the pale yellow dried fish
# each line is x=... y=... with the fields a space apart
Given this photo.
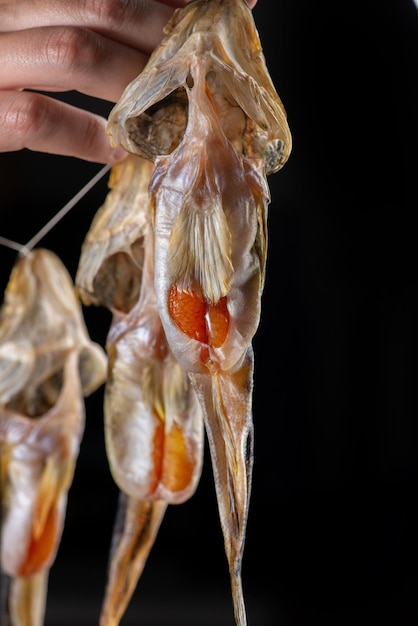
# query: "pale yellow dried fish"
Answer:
x=47 y=364
x=151 y=116
x=112 y=255
x=153 y=420
x=136 y=527
x=205 y=111
x=210 y=229
x=154 y=437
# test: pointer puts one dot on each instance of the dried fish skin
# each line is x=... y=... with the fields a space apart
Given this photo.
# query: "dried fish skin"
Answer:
x=152 y=114
x=153 y=421
x=153 y=425
x=47 y=356
x=205 y=111
x=27 y=599
x=210 y=214
x=154 y=441
x=111 y=261
x=154 y=431
x=40 y=460
x=40 y=322
x=136 y=528
x=226 y=398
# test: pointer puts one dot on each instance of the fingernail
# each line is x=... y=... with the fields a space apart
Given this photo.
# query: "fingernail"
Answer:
x=118 y=154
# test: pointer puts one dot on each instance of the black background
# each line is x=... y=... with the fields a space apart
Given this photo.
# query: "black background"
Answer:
x=333 y=527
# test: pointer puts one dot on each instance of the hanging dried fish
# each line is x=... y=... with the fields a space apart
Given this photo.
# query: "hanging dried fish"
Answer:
x=153 y=421
x=151 y=116
x=109 y=272
x=47 y=364
x=205 y=111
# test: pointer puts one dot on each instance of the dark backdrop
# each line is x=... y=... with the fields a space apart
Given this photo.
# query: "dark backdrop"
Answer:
x=332 y=532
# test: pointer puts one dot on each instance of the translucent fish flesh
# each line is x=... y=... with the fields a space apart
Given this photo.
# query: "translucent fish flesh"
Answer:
x=206 y=113
x=47 y=365
x=153 y=420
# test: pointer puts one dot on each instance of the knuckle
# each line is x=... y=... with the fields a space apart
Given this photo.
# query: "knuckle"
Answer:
x=71 y=48
x=115 y=13
x=25 y=116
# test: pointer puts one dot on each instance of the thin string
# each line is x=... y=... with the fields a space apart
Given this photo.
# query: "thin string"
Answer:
x=9 y=243
x=66 y=208
x=27 y=247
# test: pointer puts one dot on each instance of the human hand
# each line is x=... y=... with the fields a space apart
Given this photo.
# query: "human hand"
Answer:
x=90 y=46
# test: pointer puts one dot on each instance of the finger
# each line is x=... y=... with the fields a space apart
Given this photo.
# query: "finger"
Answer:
x=64 y=58
x=37 y=122
x=137 y=23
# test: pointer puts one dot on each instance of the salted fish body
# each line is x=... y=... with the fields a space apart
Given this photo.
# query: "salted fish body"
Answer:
x=153 y=420
x=48 y=363
x=206 y=112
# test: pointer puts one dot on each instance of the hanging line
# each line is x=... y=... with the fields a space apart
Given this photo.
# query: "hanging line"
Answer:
x=27 y=247
x=66 y=208
x=9 y=243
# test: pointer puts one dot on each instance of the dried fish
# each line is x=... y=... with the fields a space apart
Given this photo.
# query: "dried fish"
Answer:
x=153 y=420
x=109 y=271
x=152 y=114
x=205 y=111
x=153 y=423
x=47 y=364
